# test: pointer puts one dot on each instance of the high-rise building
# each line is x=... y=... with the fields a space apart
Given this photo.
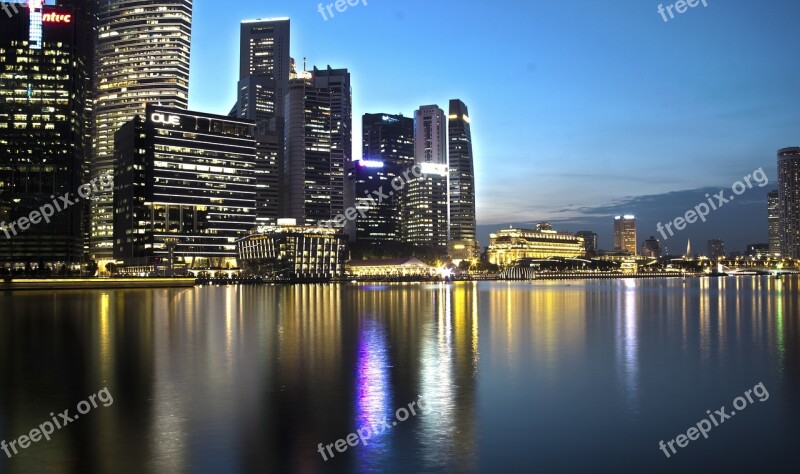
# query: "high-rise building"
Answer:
x=184 y=184
x=425 y=202
x=378 y=204
x=716 y=249
x=388 y=150
x=789 y=201
x=264 y=69
x=389 y=139
x=463 y=232
x=590 y=242
x=774 y=221
x=424 y=217
x=430 y=135
x=318 y=144
x=142 y=56
x=45 y=103
x=269 y=156
x=625 y=234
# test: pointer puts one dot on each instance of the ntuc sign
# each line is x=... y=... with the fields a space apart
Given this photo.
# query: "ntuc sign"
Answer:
x=57 y=18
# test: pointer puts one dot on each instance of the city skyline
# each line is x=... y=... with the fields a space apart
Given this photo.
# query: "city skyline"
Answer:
x=676 y=128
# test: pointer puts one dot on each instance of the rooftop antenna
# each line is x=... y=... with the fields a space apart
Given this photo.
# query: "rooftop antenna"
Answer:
x=305 y=61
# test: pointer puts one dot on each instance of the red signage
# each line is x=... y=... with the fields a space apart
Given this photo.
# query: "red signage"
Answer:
x=56 y=18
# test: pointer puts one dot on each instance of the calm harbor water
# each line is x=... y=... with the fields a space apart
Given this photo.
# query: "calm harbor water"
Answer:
x=578 y=376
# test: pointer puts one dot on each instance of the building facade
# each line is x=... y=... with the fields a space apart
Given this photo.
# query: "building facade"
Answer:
x=463 y=227
x=184 y=186
x=142 y=56
x=430 y=135
x=625 y=234
x=508 y=246
x=291 y=252
x=774 y=222
x=789 y=201
x=269 y=156
x=264 y=69
x=391 y=268
x=318 y=145
x=425 y=204
x=388 y=138
x=388 y=151
x=424 y=210
x=716 y=249
x=45 y=105
x=590 y=242
x=651 y=248
x=369 y=184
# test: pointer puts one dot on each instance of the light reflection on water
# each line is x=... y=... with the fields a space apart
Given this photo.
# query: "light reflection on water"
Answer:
x=515 y=376
x=374 y=396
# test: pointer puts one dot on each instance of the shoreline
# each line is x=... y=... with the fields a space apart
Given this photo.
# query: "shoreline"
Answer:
x=95 y=283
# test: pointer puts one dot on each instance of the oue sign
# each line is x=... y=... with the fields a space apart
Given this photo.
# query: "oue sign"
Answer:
x=165 y=119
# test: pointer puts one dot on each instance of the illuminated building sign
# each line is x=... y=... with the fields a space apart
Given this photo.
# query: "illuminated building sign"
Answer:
x=433 y=168
x=371 y=164
x=35 y=29
x=165 y=119
x=56 y=18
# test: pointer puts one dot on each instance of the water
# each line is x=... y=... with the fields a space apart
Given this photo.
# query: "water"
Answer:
x=579 y=376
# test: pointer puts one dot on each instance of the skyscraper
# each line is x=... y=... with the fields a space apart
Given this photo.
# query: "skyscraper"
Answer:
x=424 y=208
x=269 y=156
x=425 y=202
x=389 y=139
x=774 y=220
x=463 y=233
x=264 y=68
x=45 y=101
x=143 y=51
x=430 y=142
x=625 y=234
x=789 y=201
x=167 y=199
x=318 y=144
x=388 y=150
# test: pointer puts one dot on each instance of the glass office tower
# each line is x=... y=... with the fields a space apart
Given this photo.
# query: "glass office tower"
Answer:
x=143 y=50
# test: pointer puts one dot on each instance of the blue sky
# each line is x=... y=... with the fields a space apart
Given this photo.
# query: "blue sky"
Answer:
x=580 y=108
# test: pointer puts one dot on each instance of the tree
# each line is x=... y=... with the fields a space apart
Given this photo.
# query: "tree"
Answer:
x=91 y=268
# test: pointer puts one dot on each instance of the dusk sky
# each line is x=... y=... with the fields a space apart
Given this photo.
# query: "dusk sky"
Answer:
x=581 y=109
